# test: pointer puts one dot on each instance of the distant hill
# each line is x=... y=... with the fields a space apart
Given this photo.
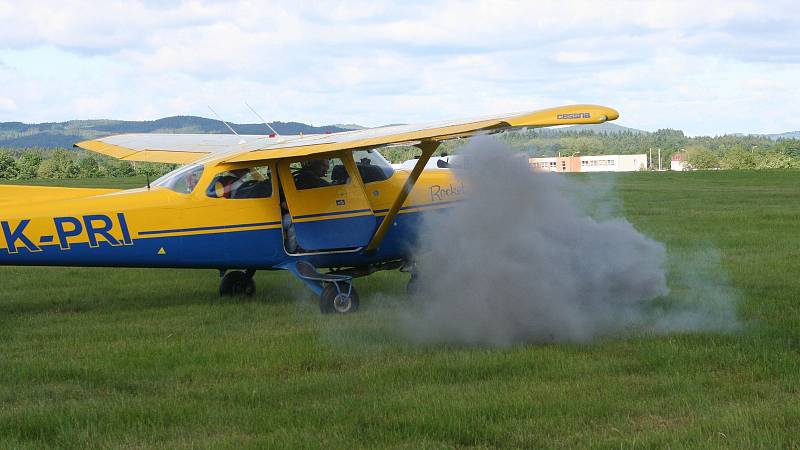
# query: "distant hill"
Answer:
x=349 y=126
x=64 y=134
x=774 y=137
x=787 y=135
x=605 y=128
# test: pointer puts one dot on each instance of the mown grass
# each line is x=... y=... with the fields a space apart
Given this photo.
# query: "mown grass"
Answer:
x=104 y=358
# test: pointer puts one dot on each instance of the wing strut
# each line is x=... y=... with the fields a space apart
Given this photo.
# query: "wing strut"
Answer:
x=427 y=147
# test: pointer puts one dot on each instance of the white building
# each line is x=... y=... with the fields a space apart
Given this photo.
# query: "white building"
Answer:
x=595 y=163
x=679 y=162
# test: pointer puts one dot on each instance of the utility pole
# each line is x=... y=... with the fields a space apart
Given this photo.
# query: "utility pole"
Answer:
x=659 y=160
x=650 y=161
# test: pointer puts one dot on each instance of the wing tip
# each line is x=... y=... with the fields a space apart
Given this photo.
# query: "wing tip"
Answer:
x=611 y=113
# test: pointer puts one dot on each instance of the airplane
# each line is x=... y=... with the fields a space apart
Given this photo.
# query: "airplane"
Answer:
x=239 y=204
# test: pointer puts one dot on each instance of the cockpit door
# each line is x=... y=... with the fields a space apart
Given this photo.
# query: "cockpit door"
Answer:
x=327 y=203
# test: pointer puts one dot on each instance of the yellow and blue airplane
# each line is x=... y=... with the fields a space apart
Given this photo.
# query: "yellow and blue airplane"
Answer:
x=240 y=204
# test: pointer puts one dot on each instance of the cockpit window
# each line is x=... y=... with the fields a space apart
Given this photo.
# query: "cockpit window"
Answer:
x=372 y=166
x=249 y=182
x=182 y=180
x=317 y=173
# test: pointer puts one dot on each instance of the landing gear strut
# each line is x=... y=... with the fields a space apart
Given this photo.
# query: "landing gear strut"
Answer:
x=238 y=283
x=413 y=288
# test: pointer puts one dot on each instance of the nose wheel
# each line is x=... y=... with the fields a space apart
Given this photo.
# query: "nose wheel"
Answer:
x=338 y=297
x=336 y=291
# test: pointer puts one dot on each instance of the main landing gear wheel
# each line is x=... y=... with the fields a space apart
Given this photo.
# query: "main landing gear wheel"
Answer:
x=237 y=283
x=341 y=299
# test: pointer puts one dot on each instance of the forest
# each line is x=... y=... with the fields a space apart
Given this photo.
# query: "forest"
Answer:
x=742 y=152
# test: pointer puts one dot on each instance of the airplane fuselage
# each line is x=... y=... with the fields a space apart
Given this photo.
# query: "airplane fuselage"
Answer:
x=160 y=227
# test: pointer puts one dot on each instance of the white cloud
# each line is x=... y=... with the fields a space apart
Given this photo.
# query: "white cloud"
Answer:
x=6 y=104
x=666 y=63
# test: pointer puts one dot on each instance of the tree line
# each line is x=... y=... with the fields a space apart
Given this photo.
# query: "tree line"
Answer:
x=59 y=163
x=702 y=153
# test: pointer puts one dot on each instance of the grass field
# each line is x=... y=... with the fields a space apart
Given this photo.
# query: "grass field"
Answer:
x=154 y=359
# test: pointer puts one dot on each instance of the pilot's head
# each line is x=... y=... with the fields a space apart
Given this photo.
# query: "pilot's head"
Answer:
x=318 y=166
x=239 y=173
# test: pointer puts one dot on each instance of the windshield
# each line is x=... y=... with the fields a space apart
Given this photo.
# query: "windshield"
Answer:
x=372 y=165
x=182 y=180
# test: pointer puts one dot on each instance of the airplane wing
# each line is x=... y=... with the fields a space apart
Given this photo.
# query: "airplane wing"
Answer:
x=168 y=148
x=186 y=148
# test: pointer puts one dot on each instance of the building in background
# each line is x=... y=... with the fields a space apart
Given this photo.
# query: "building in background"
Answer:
x=678 y=162
x=596 y=163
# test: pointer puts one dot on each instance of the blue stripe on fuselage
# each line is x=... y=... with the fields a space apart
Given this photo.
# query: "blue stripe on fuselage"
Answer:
x=422 y=206
x=337 y=213
x=349 y=232
x=230 y=248
x=209 y=228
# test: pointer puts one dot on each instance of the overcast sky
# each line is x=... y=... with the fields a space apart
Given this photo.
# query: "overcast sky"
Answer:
x=706 y=67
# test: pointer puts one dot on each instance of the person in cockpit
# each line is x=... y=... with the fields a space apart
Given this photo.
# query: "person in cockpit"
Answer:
x=312 y=173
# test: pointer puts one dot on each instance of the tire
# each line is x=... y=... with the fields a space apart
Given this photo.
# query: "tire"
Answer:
x=237 y=283
x=332 y=302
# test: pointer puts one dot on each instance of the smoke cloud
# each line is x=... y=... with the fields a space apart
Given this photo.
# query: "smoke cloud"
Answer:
x=521 y=260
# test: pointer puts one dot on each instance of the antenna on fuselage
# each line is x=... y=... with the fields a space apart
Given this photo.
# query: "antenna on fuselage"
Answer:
x=241 y=141
x=263 y=121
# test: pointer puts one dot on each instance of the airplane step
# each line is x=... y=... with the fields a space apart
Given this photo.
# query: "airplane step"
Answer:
x=306 y=270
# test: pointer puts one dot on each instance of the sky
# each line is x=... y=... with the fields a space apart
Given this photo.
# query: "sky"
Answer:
x=706 y=67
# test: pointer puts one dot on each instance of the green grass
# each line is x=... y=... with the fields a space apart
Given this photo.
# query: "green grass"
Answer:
x=154 y=359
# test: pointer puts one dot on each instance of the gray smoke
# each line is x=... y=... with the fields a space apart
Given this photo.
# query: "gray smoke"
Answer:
x=521 y=260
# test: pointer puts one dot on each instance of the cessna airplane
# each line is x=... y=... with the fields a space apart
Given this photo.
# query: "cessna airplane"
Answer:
x=256 y=202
